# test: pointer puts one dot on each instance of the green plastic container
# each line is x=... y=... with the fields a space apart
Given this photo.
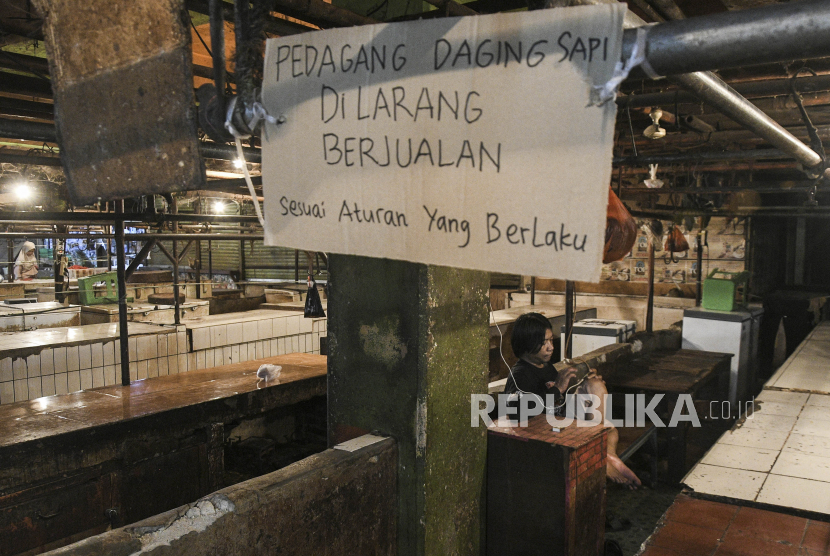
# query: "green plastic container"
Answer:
x=720 y=289
x=88 y=295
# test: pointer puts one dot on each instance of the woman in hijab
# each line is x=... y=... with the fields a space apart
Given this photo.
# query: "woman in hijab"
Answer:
x=25 y=266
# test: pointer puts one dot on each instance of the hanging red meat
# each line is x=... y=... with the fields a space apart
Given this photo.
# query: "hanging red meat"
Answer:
x=620 y=230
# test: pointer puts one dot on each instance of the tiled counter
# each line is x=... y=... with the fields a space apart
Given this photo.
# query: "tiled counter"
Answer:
x=61 y=360
x=237 y=337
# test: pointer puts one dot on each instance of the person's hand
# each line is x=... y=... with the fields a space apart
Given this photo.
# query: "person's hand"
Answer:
x=564 y=379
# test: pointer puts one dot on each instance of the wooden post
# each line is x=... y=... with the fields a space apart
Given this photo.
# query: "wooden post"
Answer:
x=569 y=318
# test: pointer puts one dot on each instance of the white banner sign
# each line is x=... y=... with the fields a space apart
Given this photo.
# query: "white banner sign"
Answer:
x=465 y=142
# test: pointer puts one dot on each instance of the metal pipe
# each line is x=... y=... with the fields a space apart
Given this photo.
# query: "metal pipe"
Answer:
x=650 y=294
x=49 y=218
x=767 y=35
x=699 y=277
x=713 y=90
x=569 y=318
x=742 y=32
x=768 y=154
x=749 y=89
x=139 y=258
x=38 y=131
x=533 y=290
x=123 y=332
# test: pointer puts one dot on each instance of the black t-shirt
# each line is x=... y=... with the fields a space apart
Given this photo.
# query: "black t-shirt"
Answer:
x=529 y=378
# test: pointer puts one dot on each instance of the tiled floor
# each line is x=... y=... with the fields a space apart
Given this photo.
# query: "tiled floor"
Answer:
x=704 y=528
x=806 y=368
x=778 y=455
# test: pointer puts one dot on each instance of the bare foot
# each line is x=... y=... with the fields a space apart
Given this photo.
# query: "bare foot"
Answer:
x=619 y=472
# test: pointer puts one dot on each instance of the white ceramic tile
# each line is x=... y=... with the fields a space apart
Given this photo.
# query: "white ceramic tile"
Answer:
x=792 y=492
x=48 y=385
x=33 y=366
x=163 y=366
x=162 y=343
x=182 y=360
x=200 y=359
x=21 y=390
x=60 y=360
x=73 y=359
x=265 y=329
x=250 y=331
x=141 y=369
x=6 y=372
x=35 y=388
x=235 y=333
x=723 y=481
x=200 y=338
x=266 y=348
x=293 y=325
x=315 y=326
x=808 y=444
x=133 y=372
x=227 y=355
x=812 y=427
x=209 y=354
x=97 y=377
x=805 y=466
x=754 y=438
x=6 y=392
x=816 y=413
x=60 y=384
x=822 y=400
x=220 y=335
x=740 y=457
x=111 y=375
x=172 y=365
x=19 y=368
x=73 y=381
x=47 y=361
x=316 y=343
x=305 y=325
x=152 y=368
x=109 y=353
x=191 y=362
x=132 y=348
x=274 y=346
x=85 y=356
x=780 y=423
x=180 y=344
x=281 y=346
x=86 y=379
x=147 y=348
x=295 y=344
x=234 y=354
x=777 y=408
x=280 y=326
x=97 y=354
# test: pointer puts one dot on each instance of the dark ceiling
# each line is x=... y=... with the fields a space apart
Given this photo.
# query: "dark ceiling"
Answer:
x=705 y=156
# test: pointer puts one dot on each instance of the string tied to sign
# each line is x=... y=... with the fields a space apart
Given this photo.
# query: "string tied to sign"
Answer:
x=258 y=114
x=602 y=94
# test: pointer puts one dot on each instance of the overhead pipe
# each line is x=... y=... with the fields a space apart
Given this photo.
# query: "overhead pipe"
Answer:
x=769 y=154
x=668 y=8
x=771 y=34
x=677 y=48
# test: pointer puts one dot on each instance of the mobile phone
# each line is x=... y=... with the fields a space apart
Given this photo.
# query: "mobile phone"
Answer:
x=582 y=369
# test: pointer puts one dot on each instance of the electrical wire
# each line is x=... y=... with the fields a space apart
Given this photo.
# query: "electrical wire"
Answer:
x=510 y=369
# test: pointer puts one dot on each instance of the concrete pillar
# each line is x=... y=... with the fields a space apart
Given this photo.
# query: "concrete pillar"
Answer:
x=408 y=345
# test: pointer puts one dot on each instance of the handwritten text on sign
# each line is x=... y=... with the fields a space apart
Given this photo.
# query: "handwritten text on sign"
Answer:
x=465 y=142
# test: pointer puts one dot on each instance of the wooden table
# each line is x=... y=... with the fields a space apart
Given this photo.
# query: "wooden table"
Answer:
x=674 y=373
